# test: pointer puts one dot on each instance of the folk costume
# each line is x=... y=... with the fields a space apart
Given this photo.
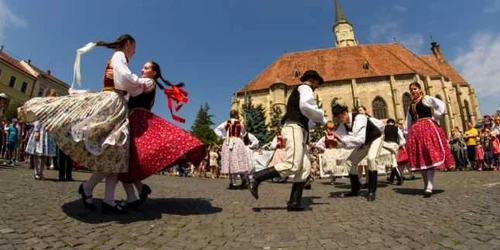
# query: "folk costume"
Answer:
x=251 y=144
x=93 y=128
x=302 y=113
x=156 y=144
x=364 y=136
x=234 y=159
x=331 y=155
x=427 y=146
x=393 y=141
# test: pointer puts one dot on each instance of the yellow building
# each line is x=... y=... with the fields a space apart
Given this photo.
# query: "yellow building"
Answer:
x=21 y=81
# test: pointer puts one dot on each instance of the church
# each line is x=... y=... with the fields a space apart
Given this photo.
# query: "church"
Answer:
x=375 y=76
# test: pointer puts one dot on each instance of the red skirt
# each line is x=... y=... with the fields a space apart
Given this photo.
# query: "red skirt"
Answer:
x=156 y=144
x=428 y=147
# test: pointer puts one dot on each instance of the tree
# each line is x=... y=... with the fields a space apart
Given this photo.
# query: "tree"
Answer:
x=318 y=132
x=255 y=121
x=201 y=126
x=276 y=116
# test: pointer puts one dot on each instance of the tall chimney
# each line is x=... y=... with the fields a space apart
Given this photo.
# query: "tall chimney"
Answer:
x=29 y=61
x=48 y=72
x=1 y=48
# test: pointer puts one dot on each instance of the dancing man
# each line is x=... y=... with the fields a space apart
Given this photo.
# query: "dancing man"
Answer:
x=364 y=135
x=301 y=112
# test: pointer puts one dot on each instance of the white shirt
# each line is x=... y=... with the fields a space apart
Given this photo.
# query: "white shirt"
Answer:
x=125 y=80
x=254 y=142
x=219 y=130
x=438 y=110
x=357 y=137
x=402 y=140
x=308 y=106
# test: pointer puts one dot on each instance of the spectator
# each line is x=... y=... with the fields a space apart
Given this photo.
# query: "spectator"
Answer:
x=11 y=141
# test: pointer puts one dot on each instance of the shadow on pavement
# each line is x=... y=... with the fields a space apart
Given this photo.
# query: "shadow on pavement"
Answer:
x=152 y=209
x=306 y=201
x=415 y=191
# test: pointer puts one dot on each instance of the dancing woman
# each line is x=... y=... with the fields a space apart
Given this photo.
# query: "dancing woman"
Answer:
x=156 y=144
x=92 y=128
x=234 y=155
x=427 y=145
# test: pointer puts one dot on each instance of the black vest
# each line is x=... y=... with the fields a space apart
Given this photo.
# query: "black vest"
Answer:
x=144 y=100
x=293 y=113
x=372 y=131
x=419 y=110
x=391 y=133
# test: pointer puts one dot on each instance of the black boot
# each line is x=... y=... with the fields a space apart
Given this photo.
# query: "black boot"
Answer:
x=244 y=183
x=393 y=174
x=399 y=177
x=355 y=185
x=295 y=203
x=372 y=185
x=260 y=176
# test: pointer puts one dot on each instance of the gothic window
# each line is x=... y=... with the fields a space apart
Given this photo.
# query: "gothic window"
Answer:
x=406 y=102
x=379 y=108
x=467 y=110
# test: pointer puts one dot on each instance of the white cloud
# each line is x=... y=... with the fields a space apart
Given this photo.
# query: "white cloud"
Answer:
x=492 y=7
x=389 y=31
x=8 y=19
x=479 y=64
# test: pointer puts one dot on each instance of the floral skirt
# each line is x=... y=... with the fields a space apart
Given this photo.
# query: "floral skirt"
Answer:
x=428 y=147
x=156 y=144
x=234 y=157
x=91 y=128
x=331 y=163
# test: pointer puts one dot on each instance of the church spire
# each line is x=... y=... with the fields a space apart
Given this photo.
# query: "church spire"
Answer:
x=339 y=13
x=343 y=30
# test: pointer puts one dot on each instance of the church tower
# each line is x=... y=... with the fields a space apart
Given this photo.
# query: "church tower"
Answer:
x=343 y=30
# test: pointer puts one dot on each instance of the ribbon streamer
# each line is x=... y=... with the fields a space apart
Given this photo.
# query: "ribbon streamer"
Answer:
x=175 y=94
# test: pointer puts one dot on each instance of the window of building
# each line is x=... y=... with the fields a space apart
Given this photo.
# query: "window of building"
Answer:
x=24 y=87
x=406 y=102
x=379 y=108
x=40 y=91
x=0 y=72
x=467 y=110
x=12 y=81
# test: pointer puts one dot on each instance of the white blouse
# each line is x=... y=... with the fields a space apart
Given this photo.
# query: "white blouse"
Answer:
x=125 y=80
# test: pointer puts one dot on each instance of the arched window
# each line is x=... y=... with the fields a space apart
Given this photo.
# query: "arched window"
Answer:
x=406 y=102
x=379 y=108
x=467 y=110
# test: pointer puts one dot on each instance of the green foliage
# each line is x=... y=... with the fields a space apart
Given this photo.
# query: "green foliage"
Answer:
x=276 y=116
x=201 y=126
x=255 y=121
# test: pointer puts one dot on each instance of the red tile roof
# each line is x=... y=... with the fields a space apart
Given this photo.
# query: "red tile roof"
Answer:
x=14 y=63
x=347 y=63
x=444 y=67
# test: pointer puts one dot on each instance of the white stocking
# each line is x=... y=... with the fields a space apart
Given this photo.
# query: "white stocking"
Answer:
x=130 y=191
x=109 y=190
x=424 y=178
x=430 y=179
x=139 y=186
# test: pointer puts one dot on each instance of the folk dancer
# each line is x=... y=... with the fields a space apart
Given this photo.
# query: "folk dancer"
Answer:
x=301 y=114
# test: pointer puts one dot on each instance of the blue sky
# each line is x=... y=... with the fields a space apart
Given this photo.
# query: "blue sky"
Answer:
x=218 y=46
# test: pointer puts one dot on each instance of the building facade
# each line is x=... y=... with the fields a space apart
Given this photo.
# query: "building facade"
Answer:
x=376 y=76
x=21 y=81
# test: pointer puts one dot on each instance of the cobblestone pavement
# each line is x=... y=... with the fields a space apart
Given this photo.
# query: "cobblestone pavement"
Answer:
x=193 y=213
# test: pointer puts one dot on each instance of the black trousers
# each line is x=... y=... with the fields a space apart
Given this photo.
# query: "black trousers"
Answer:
x=65 y=166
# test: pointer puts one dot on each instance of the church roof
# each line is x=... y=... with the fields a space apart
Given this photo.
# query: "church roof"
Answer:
x=344 y=63
x=444 y=67
x=339 y=13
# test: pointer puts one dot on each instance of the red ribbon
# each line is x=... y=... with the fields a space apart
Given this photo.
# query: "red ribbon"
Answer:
x=179 y=96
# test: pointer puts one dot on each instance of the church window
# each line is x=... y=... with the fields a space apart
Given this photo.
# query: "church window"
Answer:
x=467 y=110
x=379 y=108
x=406 y=102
